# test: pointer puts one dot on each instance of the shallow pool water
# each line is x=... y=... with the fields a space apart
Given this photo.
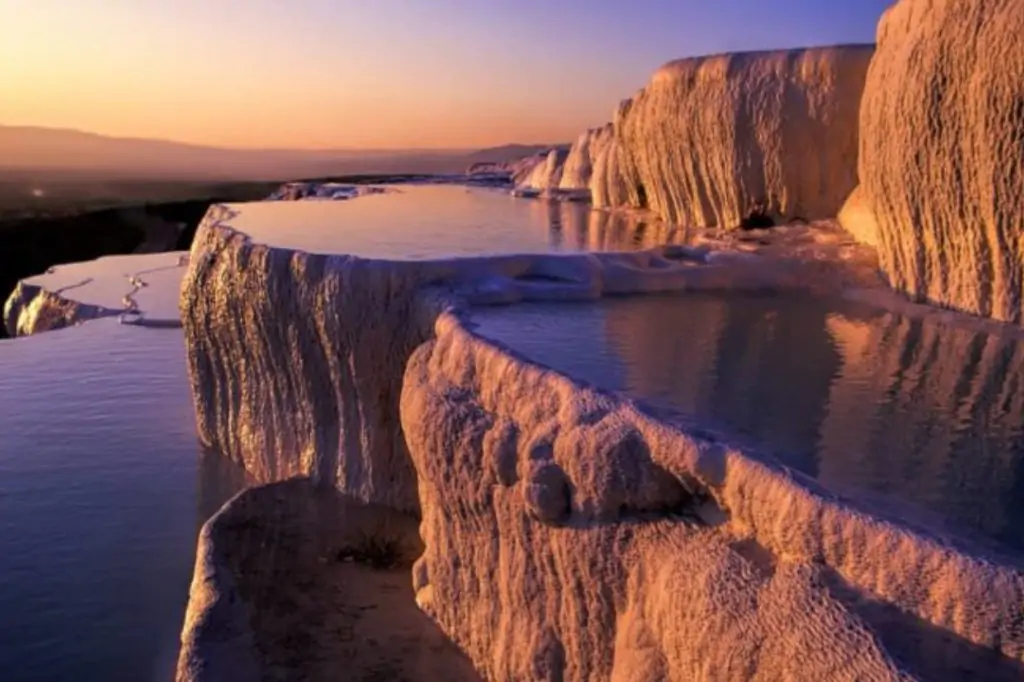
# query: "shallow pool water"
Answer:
x=918 y=420
x=102 y=491
x=148 y=284
x=435 y=221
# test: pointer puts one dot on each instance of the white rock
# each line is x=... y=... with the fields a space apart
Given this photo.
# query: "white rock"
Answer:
x=552 y=510
x=545 y=176
x=579 y=165
x=941 y=130
x=296 y=359
x=857 y=218
x=711 y=138
x=141 y=289
x=608 y=183
x=614 y=585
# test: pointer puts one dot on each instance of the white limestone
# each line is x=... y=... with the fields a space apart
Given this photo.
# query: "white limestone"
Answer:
x=857 y=218
x=608 y=181
x=140 y=289
x=217 y=642
x=270 y=329
x=712 y=139
x=545 y=176
x=625 y=548
x=579 y=165
x=534 y=491
x=941 y=128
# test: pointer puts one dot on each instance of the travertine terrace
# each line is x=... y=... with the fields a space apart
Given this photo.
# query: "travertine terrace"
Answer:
x=570 y=534
x=941 y=128
x=625 y=546
x=579 y=165
x=711 y=140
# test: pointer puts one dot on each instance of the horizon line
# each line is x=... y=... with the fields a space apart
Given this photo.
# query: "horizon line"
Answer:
x=228 y=148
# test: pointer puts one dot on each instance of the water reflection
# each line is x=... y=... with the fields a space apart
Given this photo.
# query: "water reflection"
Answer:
x=420 y=222
x=917 y=419
x=929 y=414
x=98 y=501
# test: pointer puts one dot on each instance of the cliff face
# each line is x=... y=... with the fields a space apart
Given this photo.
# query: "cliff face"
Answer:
x=565 y=521
x=547 y=174
x=711 y=140
x=558 y=516
x=296 y=359
x=627 y=549
x=941 y=156
x=579 y=165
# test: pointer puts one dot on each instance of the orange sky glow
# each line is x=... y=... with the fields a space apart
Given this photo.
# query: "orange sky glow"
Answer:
x=353 y=73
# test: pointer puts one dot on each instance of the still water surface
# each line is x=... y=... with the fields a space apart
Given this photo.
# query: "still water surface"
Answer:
x=102 y=492
x=437 y=221
x=918 y=420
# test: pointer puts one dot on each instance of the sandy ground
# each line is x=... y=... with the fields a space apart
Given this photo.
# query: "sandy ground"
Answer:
x=329 y=589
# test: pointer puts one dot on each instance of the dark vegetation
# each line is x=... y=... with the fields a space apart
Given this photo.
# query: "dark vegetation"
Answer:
x=64 y=219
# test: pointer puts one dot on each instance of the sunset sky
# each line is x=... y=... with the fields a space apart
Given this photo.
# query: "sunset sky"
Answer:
x=371 y=73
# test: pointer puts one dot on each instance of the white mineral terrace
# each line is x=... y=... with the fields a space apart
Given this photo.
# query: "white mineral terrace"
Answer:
x=567 y=533
x=139 y=289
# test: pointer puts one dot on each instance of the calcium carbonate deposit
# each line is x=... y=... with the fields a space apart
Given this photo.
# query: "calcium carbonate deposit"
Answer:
x=711 y=140
x=144 y=293
x=579 y=165
x=568 y=534
x=941 y=129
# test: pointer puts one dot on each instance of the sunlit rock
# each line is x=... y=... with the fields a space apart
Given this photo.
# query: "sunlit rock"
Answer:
x=544 y=176
x=611 y=578
x=140 y=289
x=781 y=568
x=579 y=165
x=712 y=141
x=857 y=218
x=271 y=329
x=941 y=129
x=585 y=539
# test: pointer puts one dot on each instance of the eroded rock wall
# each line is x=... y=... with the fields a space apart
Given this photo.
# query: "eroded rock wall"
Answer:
x=31 y=309
x=561 y=519
x=579 y=164
x=941 y=155
x=712 y=139
x=547 y=512
x=546 y=175
x=296 y=359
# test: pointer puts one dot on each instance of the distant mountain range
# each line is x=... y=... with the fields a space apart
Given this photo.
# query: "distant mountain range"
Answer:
x=52 y=149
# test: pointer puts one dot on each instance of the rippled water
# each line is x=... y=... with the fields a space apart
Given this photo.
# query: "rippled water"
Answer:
x=435 y=221
x=923 y=421
x=102 y=492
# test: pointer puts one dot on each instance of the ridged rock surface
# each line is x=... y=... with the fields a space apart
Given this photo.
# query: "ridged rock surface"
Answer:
x=32 y=309
x=546 y=175
x=710 y=139
x=608 y=180
x=561 y=524
x=296 y=359
x=555 y=515
x=579 y=165
x=941 y=154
